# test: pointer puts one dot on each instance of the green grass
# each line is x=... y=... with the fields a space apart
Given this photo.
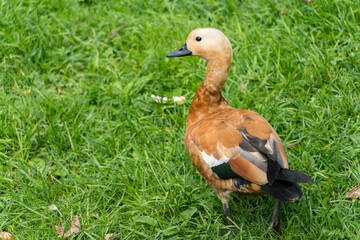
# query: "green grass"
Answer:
x=79 y=129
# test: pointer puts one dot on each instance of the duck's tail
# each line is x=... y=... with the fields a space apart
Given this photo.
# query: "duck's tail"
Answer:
x=285 y=187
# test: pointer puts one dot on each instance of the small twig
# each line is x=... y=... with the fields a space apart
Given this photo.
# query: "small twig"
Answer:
x=296 y=143
x=115 y=32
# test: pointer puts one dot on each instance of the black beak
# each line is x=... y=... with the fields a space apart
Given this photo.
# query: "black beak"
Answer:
x=181 y=52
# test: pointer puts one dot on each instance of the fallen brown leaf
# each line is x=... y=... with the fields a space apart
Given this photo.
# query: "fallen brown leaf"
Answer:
x=5 y=236
x=353 y=193
x=111 y=235
x=59 y=230
x=75 y=225
x=75 y=228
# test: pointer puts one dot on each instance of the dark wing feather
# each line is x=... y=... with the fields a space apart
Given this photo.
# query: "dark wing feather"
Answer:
x=294 y=176
x=283 y=190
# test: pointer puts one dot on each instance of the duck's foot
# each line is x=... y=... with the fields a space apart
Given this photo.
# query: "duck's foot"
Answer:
x=275 y=221
x=232 y=230
x=271 y=228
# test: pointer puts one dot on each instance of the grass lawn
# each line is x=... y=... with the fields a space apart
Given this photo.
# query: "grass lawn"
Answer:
x=79 y=129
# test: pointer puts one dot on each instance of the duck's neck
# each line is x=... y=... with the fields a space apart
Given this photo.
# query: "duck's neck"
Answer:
x=216 y=73
x=208 y=96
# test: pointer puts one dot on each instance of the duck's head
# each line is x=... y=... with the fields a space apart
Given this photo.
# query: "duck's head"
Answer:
x=207 y=43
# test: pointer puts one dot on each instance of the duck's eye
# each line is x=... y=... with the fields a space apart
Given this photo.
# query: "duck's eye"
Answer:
x=198 y=38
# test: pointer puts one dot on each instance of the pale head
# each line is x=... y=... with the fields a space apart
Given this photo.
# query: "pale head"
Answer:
x=208 y=43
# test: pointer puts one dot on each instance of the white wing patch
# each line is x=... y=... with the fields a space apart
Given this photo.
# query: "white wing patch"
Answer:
x=212 y=161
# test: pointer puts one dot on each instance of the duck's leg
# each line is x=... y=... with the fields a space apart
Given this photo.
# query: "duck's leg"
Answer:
x=227 y=211
x=232 y=227
x=275 y=221
x=225 y=197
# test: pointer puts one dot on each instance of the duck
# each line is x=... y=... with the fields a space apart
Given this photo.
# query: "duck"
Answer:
x=235 y=150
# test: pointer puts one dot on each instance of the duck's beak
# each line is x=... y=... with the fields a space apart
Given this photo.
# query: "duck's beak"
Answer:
x=183 y=51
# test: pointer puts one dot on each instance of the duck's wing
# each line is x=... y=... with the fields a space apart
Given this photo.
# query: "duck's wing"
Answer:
x=260 y=138
x=243 y=144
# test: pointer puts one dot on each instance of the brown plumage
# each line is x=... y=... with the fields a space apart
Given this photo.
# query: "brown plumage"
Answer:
x=236 y=151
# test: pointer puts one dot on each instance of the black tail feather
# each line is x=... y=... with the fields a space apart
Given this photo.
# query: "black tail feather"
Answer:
x=293 y=176
x=283 y=190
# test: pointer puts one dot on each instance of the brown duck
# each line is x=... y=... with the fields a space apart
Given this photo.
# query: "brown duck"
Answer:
x=236 y=151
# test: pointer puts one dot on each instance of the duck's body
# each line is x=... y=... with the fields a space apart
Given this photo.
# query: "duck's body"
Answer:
x=236 y=151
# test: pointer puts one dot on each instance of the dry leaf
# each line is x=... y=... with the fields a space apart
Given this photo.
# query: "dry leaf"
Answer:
x=75 y=228
x=354 y=193
x=75 y=225
x=59 y=230
x=5 y=236
x=111 y=235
